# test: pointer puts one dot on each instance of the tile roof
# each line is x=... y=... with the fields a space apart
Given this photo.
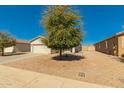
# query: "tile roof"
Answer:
x=41 y=37
x=22 y=41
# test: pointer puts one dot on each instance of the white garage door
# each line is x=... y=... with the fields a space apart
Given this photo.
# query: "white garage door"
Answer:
x=40 y=49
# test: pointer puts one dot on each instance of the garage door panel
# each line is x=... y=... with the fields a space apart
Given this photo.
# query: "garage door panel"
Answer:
x=40 y=49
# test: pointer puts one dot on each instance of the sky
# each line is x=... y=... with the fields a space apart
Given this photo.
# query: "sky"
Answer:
x=99 y=22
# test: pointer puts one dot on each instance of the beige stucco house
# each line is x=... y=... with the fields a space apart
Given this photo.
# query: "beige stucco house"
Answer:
x=113 y=45
x=37 y=46
x=21 y=46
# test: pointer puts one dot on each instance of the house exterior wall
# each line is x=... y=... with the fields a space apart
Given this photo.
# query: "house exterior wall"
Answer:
x=108 y=46
x=37 y=41
x=38 y=47
x=9 y=49
x=20 y=47
x=121 y=45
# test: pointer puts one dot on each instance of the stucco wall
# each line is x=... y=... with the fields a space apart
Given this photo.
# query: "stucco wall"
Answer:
x=18 y=48
x=121 y=45
x=108 y=46
x=22 y=47
x=40 y=49
x=37 y=46
x=37 y=41
x=9 y=49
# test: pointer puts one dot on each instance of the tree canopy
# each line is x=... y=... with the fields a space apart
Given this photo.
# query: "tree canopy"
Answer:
x=62 y=26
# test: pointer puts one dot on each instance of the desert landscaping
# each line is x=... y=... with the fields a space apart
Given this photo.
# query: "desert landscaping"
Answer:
x=55 y=48
x=93 y=67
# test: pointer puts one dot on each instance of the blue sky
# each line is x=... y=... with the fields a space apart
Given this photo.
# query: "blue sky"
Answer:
x=100 y=22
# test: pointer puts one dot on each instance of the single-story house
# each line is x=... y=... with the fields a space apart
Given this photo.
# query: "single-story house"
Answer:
x=113 y=45
x=20 y=46
x=37 y=46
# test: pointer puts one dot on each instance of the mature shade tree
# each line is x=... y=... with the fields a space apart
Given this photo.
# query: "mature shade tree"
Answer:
x=62 y=26
x=5 y=41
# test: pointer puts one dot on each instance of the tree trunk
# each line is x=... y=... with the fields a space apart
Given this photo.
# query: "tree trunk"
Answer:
x=2 y=50
x=60 y=52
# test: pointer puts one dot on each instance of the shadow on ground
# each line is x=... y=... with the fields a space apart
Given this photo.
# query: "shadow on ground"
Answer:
x=12 y=54
x=68 y=57
x=121 y=60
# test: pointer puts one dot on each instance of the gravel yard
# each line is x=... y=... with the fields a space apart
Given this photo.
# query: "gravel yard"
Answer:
x=95 y=67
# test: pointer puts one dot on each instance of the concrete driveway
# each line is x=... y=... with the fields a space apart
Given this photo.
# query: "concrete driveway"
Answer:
x=12 y=77
x=18 y=57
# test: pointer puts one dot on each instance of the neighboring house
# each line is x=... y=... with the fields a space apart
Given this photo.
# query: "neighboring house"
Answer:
x=113 y=45
x=37 y=46
x=20 y=46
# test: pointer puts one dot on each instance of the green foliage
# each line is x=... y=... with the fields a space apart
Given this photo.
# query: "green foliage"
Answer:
x=62 y=26
x=6 y=40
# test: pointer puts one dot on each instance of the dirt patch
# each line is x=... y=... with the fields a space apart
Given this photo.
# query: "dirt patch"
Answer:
x=46 y=64
x=95 y=68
